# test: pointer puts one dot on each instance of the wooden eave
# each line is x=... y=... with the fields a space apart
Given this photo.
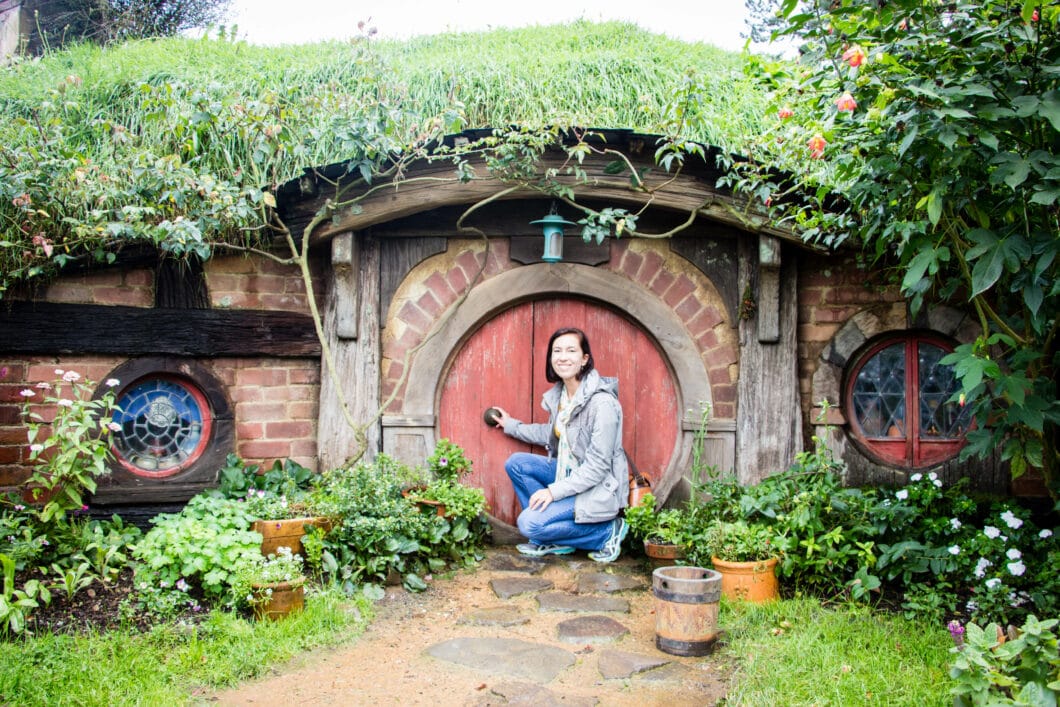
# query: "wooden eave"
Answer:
x=431 y=184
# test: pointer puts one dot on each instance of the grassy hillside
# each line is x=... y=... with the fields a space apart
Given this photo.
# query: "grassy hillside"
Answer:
x=177 y=141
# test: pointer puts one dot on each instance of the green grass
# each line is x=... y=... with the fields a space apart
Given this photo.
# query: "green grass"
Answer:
x=166 y=665
x=798 y=652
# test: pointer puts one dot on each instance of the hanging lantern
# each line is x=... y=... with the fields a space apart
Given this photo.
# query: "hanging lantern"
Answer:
x=552 y=225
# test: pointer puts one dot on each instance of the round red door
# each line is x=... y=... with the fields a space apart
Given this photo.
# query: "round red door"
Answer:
x=503 y=364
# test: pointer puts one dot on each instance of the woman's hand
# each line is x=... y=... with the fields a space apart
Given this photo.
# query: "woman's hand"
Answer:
x=540 y=499
x=501 y=417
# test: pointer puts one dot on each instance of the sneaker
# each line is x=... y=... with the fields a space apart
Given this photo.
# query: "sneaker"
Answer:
x=613 y=547
x=535 y=550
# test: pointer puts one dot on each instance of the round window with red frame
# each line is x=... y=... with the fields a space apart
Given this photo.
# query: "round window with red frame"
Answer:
x=900 y=401
x=165 y=426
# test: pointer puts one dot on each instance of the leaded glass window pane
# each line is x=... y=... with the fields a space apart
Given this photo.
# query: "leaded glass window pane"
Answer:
x=879 y=393
x=938 y=418
x=161 y=425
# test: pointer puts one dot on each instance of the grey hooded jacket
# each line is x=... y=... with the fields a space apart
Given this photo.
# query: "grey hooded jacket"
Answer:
x=600 y=480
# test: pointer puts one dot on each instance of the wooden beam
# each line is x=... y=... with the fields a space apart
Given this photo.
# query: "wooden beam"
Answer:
x=768 y=289
x=50 y=328
x=345 y=265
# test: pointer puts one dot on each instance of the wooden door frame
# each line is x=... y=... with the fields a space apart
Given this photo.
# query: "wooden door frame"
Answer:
x=411 y=433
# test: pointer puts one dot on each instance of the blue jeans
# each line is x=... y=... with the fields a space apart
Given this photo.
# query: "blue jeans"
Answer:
x=555 y=524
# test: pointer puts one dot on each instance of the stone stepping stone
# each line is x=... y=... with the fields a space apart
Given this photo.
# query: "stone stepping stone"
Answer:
x=590 y=629
x=494 y=616
x=505 y=562
x=671 y=672
x=607 y=583
x=562 y=601
x=508 y=587
x=527 y=694
x=505 y=656
x=623 y=664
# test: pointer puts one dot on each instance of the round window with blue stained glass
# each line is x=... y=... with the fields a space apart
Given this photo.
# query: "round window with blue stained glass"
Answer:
x=165 y=426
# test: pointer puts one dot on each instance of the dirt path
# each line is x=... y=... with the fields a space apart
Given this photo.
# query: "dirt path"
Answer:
x=388 y=665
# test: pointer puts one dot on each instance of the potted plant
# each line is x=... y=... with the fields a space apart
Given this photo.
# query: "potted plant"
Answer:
x=273 y=586
x=665 y=533
x=278 y=500
x=444 y=494
x=746 y=556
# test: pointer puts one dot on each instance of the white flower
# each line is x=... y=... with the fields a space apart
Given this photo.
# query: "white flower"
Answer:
x=36 y=447
x=972 y=607
x=938 y=484
x=901 y=495
x=44 y=386
x=71 y=376
x=63 y=402
x=933 y=476
x=1011 y=520
x=26 y=393
x=955 y=549
x=1045 y=533
x=992 y=582
x=991 y=532
x=980 y=567
x=1013 y=554
x=59 y=371
x=1016 y=568
x=112 y=382
x=916 y=477
x=955 y=524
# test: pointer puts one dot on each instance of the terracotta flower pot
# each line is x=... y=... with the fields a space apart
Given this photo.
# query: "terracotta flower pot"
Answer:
x=425 y=505
x=663 y=554
x=287 y=533
x=754 y=581
x=279 y=599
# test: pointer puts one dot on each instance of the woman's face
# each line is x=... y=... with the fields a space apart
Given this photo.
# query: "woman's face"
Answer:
x=567 y=356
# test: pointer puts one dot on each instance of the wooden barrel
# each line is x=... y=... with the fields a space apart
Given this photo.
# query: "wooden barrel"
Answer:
x=686 y=609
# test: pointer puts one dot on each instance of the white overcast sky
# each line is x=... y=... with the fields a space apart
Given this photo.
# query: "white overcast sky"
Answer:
x=718 y=22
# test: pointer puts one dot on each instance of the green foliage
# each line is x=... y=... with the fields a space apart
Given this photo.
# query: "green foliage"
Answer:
x=237 y=479
x=199 y=547
x=17 y=603
x=667 y=525
x=448 y=462
x=935 y=150
x=254 y=571
x=460 y=501
x=383 y=533
x=71 y=450
x=738 y=541
x=1024 y=670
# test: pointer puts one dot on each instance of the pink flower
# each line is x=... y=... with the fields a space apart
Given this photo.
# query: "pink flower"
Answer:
x=26 y=393
x=785 y=113
x=43 y=385
x=854 y=56
x=817 y=143
x=71 y=376
x=846 y=103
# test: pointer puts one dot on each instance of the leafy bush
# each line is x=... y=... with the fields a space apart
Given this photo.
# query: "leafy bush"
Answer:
x=199 y=548
x=738 y=541
x=991 y=669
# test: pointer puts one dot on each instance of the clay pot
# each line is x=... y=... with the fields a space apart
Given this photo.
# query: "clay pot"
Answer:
x=287 y=533
x=754 y=581
x=279 y=599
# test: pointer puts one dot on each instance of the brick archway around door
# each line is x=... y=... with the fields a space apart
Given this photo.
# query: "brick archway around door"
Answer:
x=661 y=291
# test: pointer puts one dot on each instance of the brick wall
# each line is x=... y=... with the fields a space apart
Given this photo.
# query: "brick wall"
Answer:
x=274 y=401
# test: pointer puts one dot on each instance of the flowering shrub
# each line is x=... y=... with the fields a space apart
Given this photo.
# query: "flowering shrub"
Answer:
x=257 y=570
x=448 y=461
x=72 y=449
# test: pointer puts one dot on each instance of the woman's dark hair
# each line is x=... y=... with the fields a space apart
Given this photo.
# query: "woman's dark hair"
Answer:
x=583 y=340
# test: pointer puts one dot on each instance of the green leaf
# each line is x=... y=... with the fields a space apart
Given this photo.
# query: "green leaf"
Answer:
x=616 y=167
x=1050 y=108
